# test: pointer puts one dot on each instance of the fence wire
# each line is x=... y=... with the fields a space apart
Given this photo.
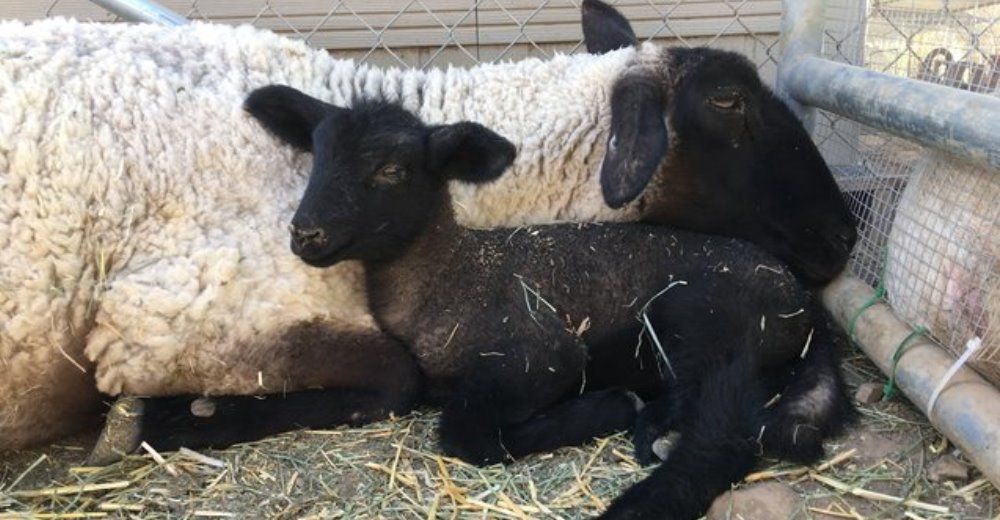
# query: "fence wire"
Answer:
x=928 y=222
x=424 y=33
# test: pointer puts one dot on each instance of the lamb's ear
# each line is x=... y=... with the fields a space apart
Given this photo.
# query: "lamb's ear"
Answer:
x=287 y=113
x=638 y=139
x=468 y=152
x=604 y=28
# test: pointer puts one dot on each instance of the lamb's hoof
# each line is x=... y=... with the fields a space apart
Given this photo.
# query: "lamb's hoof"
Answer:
x=203 y=407
x=121 y=434
x=665 y=444
x=636 y=401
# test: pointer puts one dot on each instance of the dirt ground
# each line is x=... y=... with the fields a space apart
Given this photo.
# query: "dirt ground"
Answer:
x=392 y=470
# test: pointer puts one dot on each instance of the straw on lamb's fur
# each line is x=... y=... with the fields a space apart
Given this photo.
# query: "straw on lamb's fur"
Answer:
x=143 y=229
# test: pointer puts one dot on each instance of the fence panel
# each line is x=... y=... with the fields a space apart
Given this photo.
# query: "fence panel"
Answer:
x=426 y=33
x=929 y=222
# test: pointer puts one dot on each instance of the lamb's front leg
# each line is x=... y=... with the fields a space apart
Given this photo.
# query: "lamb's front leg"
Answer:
x=360 y=383
x=517 y=400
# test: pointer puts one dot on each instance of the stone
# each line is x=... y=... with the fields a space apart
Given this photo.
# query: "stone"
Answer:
x=873 y=447
x=770 y=500
x=948 y=467
x=869 y=393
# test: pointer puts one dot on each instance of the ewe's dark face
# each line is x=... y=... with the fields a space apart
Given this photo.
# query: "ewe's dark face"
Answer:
x=728 y=157
x=378 y=172
x=747 y=168
x=739 y=162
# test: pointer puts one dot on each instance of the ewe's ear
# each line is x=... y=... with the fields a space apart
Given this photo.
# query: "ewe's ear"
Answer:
x=287 y=113
x=638 y=139
x=604 y=28
x=468 y=152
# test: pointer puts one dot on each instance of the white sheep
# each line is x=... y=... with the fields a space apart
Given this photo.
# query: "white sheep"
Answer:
x=143 y=233
x=943 y=254
x=143 y=215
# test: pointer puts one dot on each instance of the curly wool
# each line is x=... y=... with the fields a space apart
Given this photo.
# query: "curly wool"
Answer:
x=143 y=214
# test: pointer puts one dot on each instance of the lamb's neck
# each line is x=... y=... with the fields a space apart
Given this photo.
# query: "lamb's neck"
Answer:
x=399 y=285
x=431 y=246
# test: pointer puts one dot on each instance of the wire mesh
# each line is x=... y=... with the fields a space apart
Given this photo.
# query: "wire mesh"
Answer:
x=928 y=222
x=425 y=33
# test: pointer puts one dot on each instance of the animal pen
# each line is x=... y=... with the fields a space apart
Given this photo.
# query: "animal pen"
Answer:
x=902 y=96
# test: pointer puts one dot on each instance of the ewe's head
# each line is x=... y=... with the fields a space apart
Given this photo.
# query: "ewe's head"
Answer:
x=719 y=152
x=378 y=171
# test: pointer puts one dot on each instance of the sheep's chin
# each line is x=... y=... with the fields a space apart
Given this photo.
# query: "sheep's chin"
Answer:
x=329 y=256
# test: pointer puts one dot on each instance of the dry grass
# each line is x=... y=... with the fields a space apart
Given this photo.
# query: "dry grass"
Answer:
x=388 y=470
x=393 y=470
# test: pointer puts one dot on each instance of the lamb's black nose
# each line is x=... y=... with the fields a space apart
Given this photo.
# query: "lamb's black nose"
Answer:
x=307 y=237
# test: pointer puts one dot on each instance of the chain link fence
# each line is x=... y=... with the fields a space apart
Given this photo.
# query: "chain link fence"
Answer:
x=929 y=223
x=429 y=33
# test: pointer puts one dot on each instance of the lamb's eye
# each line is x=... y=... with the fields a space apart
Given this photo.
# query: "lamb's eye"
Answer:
x=389 y=175
x=725 y=102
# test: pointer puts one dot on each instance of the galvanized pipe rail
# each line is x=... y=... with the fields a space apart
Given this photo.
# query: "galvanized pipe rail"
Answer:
x=959 y=122
x=962 y=123
x=144 y=11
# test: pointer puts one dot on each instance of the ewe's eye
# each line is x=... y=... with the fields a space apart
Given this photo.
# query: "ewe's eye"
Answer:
x=389 y=175
x=727 y=102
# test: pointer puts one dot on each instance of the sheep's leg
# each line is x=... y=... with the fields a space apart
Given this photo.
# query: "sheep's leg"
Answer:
x=668 y=412
x=169 y=423
x=813 y=404
x=810 y=402
x=653 y=421
x=362 y=384
x=573 y=422
x=687 y=349
x=471 y=430
x=716 y=448
x=517 y=400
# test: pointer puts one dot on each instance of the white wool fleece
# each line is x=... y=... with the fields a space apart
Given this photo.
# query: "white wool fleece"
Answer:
x=144 y=215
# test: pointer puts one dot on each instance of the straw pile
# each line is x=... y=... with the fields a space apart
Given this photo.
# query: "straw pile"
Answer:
x=394 y=470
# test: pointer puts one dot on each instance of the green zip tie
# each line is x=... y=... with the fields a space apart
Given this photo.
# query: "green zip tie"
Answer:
x=889 y=390
x=879 y=293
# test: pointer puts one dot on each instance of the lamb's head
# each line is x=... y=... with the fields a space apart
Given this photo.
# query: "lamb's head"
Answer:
x=711 y=148
x=379 y=173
